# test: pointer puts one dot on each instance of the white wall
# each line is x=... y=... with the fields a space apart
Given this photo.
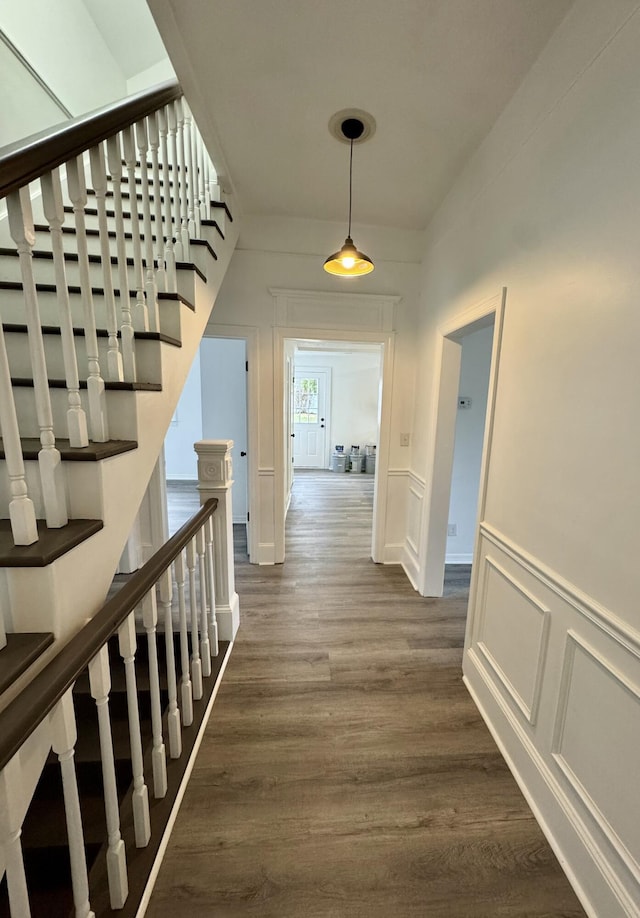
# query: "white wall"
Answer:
x=355 y=389
x=185 y=429
x=64 y=46
x=467 y=456
x=548 y=207
x=25 y=107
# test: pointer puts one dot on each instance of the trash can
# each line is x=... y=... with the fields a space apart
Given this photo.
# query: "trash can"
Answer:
x=356 y=463
x=338 y=462
x=370 y=463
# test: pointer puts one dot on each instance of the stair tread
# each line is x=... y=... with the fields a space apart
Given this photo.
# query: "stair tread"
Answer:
x=94 y=452
x=19 y=328
x=221 y=205
x=20 y=652
x=96 y=259
x=51 y=544
x=113 y=384
x=72 y=231
x=204 y=244
x=214 y=224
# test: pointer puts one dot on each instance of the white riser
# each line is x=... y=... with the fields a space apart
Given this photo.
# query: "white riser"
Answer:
x=121 y=412
x=82 y=482
x=12 y=311
x=148 y=356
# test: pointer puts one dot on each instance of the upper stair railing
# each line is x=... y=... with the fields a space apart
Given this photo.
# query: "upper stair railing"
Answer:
x=144 y=154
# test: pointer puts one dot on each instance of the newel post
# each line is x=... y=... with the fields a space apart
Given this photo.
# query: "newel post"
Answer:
x=215 y=479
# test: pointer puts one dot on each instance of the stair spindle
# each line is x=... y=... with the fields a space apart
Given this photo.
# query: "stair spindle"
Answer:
x=64 y=736
x=99 y=182
x=11 y=815
x=76 y=186
x=150 y=285
x=158 y=755
x=184 y=202
x=141 y=317
x=22 y=513
x=208 y=182
x=50 y=465
x=205 y=649
x=169 y=253
x=211 y=589
x=196 y=662
x=186 y=689
x=54 y=212
x=100 y=683
x=154 y=145
x=140 y=797
x=114 y=160
x=194 y=202
x=201 y=176
x=172 y=128
x=165 y=586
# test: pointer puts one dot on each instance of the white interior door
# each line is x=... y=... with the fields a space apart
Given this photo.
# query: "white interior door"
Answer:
x=310 y=400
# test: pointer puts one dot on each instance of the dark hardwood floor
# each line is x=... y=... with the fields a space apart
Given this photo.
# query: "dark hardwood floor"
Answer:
x=345 y=770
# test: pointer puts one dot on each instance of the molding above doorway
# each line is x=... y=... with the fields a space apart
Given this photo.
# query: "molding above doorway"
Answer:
x=343 y=311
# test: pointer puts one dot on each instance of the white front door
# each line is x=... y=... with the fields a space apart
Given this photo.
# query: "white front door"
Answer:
x=310 y=418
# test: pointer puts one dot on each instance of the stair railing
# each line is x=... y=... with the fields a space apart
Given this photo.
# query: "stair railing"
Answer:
x=77 y=169
x=48 y=702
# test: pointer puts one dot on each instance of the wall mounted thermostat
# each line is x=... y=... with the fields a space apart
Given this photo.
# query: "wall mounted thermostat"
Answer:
x=464 y=401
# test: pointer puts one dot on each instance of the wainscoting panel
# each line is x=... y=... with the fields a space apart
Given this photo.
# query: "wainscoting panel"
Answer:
x=310 y=309
x=411 y=549
x=513 y=627
x=597 y=744
x=557 y=678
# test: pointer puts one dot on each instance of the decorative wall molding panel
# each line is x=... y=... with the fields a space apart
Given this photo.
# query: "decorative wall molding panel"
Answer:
x=557 y=679
x=512 y=633
x=312 y=309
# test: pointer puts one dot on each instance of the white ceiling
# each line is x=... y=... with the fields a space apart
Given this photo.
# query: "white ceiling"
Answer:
x=435 y=74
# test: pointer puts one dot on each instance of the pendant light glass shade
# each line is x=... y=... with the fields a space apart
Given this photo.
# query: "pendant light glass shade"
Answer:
x=348 y=262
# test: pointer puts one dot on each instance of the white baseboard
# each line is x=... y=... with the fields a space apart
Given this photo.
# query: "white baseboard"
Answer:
x=393 y=554
x=450 y=558
x=228 y=619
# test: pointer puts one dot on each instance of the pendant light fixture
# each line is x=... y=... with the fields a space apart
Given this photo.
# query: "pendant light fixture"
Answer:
x=349 y=262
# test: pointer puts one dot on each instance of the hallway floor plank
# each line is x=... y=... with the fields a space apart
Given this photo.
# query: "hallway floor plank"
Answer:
x=345 y=770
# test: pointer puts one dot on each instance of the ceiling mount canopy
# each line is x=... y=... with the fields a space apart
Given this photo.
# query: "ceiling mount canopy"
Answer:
x=350 y=126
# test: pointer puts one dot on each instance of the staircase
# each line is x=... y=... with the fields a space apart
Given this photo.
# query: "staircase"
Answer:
x=113 y=246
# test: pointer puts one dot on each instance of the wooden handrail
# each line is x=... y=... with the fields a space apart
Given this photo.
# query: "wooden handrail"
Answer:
x=29 y=709
x=28 y=159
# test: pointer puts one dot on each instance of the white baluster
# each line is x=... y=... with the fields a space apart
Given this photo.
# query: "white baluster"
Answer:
x=64 y=736
x=196 y=663
x=172 y=127
x=95 y=384
x=21 y=510
x=208 y=182
x=205 y=649
x=165 y=585
x=141 y=316
x=186 y=690
x=140 y=801
x=51 y=473
x=100 y=682
x=11 y=807
x=184 y=202
x=150 y=285
x=154 y=143
x=114 y=159
x=169 y=253
x=194 y=203
x=99 y=182
x=54 y=213
x=201 y=175
x=158 y=757
x=211 y=589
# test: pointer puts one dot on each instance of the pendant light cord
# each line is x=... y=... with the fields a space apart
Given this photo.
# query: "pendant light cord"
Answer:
x=350 y=183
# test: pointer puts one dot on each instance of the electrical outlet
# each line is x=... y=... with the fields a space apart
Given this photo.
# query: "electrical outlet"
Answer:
x=452 y=529
x=464 y=401
x=405 y=439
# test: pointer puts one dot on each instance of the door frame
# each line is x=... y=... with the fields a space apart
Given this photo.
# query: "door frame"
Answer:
x=443 y=424
x=387 y=341
x=250 y=336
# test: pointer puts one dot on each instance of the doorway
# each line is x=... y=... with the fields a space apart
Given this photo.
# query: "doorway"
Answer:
x=488 y=315
x=311 y=393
